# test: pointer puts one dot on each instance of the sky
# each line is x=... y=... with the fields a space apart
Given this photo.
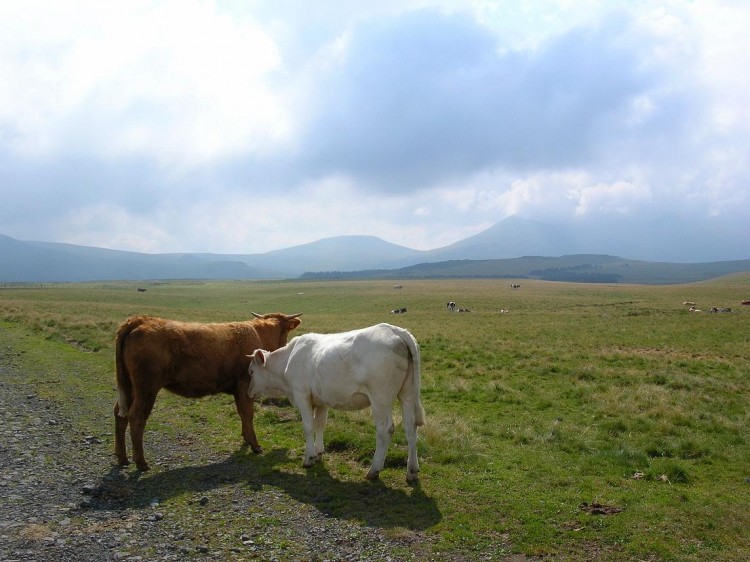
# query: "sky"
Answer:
x=253 y=125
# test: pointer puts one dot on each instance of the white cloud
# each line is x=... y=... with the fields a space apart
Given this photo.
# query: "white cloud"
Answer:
x=113 y=228
x=245 y=127
x=175 y=80
x=620 y=198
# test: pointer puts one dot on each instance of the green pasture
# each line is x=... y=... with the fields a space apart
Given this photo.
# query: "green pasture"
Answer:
x=586 y=422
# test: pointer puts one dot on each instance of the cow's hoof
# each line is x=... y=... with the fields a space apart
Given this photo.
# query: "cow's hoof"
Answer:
x=123 y=462
x=142 y=466
x=257 y=449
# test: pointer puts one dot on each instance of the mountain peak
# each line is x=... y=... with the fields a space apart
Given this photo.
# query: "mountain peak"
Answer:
x=660 y=241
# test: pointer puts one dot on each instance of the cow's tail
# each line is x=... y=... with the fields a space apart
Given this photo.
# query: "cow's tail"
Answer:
x=414 y=372
x=124 y=384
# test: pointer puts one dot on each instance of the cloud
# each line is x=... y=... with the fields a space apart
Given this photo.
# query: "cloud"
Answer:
x=173 y=80
x=245 y=127
x=424 y=96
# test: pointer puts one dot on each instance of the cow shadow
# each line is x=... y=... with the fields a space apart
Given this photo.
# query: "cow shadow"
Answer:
x=373 y=503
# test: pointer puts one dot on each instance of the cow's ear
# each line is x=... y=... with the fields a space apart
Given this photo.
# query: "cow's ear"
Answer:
x=260 y=359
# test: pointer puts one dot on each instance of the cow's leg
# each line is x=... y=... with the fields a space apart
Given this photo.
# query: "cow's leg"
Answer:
x=408 y=416
x=121 y=425
x=246 y=409
x=139 y=411
x=319 y=425
x=308 y=426
x=383 y=418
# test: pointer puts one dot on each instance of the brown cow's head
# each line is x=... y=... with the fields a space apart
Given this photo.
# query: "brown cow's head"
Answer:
x=285 y=322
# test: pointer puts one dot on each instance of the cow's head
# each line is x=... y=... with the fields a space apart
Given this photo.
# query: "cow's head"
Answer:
x=263 y=382
x=258 y=357
x=292 y=319
x=280 y=325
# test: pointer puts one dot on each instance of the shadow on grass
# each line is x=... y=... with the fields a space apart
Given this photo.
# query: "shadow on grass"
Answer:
x=373 y=503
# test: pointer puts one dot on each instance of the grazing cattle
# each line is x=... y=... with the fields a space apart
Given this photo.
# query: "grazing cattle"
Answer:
x=693 y=309
x=503 y=311
x=347 y=371
x=398 y=310
x=688 y=303
x=464 y=310
x=719 y=309
x=141 y=290
x=398 y=286
x=189 y=359
x=451 y=306
x=515 y=286
x=745 y=302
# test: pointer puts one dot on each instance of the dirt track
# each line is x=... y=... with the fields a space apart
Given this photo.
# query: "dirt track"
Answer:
x=65 y=500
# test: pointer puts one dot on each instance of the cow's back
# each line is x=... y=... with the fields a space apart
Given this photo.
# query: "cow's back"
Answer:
x=364 y=359
x=187 y=358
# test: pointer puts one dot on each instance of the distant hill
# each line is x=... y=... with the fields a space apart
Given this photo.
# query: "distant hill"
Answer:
x=662 y=240
x=49 y=262
x=510 y=238
x=492 y=253
x=580 y=268
x=330 y=254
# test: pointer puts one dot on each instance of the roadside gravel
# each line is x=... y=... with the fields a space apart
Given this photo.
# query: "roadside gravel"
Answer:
x=62 y=498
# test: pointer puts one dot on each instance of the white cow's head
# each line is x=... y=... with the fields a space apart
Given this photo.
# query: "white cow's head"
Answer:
x=263 y=381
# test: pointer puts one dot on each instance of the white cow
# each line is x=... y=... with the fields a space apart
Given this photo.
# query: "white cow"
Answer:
x=347 y=371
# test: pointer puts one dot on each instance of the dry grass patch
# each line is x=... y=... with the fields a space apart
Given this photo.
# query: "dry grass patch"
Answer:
x=36 y=532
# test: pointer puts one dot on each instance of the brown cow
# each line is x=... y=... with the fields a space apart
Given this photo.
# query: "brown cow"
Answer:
x=189 y=359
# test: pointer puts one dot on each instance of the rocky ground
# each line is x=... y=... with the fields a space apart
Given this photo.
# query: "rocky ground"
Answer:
x=63 y=499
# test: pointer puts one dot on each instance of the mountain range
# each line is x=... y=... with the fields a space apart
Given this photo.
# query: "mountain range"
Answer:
x=496 y=252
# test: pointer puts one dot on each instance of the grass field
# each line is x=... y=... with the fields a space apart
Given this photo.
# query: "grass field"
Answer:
x=587 y=421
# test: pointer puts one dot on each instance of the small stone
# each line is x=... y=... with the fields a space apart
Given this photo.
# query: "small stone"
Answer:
x=202 y=548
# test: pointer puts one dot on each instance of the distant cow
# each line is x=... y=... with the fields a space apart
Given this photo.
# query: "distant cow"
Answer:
x=189 y=359
x=398 y=310
x=347 y=371
x=515 y=286
x=141 y=290
x=464 y=310
x=688 y=303
x=451 y=306
x=745 y=302
x=720 y=309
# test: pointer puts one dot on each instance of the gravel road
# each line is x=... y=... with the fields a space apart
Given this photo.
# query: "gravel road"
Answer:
x=63 y=499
